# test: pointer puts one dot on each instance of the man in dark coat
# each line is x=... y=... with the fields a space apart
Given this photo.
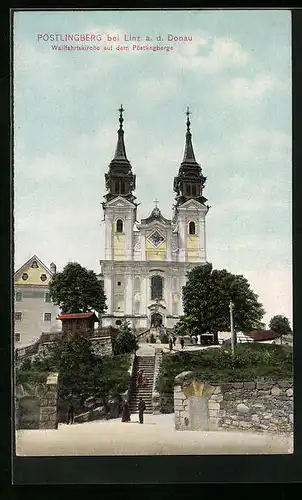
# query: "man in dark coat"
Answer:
x=170 y=344
x=126 y=412
x=141 y=409
x=182 y=342
x=70 y=414
x=174 y=340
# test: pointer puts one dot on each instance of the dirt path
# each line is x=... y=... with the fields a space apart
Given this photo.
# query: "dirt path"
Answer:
x=156 y=436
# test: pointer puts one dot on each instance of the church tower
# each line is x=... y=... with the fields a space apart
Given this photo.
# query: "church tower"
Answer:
x=119 y=217
x=190 y=209
x=119 y=205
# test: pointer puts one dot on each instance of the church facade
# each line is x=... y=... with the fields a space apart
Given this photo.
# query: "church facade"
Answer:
x=146 y=261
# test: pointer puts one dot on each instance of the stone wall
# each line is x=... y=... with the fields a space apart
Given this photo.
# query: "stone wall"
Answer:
x=36 y=404
x=127 y=394
x=156 y=398
x=101 y=346
x=261 y=405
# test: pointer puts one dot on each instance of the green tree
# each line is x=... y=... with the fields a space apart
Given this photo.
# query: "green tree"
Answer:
x=77 y=289
x=280 y=325
x=125 y=341
x=206 y=298
x=110 y=376
x=72 y=357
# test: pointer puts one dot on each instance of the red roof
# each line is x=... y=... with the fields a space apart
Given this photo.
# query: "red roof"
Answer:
x=78 y=316
x=262 y=335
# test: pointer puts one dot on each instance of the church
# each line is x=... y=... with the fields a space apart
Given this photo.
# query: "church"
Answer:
x=146 y=261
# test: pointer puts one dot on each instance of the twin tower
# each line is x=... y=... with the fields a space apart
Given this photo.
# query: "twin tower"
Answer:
x=146 y=262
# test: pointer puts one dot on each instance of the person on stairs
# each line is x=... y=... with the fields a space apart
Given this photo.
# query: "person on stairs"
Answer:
x=140 y=378
x=141 y=409
x=182 y=342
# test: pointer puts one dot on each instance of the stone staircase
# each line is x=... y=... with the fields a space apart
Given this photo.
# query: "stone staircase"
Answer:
x=145 y=363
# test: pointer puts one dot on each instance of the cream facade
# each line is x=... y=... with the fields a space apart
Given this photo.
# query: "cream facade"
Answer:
x=34 y=313
x=146 y=261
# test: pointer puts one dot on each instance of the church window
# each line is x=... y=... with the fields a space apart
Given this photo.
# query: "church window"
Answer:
x=156 y=238
x=193 y=190
x=123 y=187
x=192 y=229
x=24 y=276
x=116 y=187
x=136 y=306
x=137 y=284
x=18 y=296
x=34 y=264
x=118 y=322
x=156 y=287
x=119 y=283
x=119 y=226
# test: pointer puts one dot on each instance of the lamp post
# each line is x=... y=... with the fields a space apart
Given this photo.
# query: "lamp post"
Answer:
x=232 y=328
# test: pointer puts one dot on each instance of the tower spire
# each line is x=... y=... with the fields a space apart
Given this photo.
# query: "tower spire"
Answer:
x=189 y=156
x=120 y=151
x=189 y=182
x=120 y=181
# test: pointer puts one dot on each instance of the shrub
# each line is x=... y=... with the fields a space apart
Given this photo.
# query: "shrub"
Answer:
x=125 y=341
x=217 y=366
x=164 y=338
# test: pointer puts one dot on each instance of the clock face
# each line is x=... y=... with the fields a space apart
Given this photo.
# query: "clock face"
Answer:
x=156 y=238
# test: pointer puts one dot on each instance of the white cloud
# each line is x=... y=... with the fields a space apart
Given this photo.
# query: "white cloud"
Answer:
x=210 y=56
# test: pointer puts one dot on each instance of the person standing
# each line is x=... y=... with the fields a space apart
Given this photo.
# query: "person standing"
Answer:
x=182 y=342
x=141 y=409
x=170 y=344
x=174 y=340
x=70 y=414
x=126 y=412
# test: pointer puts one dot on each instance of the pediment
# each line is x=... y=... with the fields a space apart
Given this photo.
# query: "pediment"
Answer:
x=33 y=272
x=119 y=202
x=193 y=205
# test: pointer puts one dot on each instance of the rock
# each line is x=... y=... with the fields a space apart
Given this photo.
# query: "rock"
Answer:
x=289 y=392
x=291 y=418
x=179 y=379
x=238 y=385
x=267 y=384
x=285 y=384
x=255 y=418
x=249 y=385
x=242 y=408
x=275 y=391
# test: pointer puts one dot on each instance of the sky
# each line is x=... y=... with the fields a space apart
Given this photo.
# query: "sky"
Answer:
x=235 y=74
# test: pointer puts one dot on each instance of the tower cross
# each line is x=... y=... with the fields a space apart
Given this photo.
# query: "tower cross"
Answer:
x=188 y=113
x=121 y=119
x=156 y=202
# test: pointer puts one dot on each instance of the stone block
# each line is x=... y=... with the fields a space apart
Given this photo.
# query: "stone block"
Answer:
x=267 y=415
x=238 y=385
x=249 y=385
x=213 y=405
x=286 y=384
x=217 y=397
x=255 y=418
x=275 y=391
x=258 y=406
x=264 y=385
x=217 y=390
x=242 y=408
x=289 y=392
x=291 y=418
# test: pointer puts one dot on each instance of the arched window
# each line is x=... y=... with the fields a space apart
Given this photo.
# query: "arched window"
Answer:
x=123 y=187
x=192 y=227
x=156 y=287
x=116 y=187
x=193 y=189
x=119 y=226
